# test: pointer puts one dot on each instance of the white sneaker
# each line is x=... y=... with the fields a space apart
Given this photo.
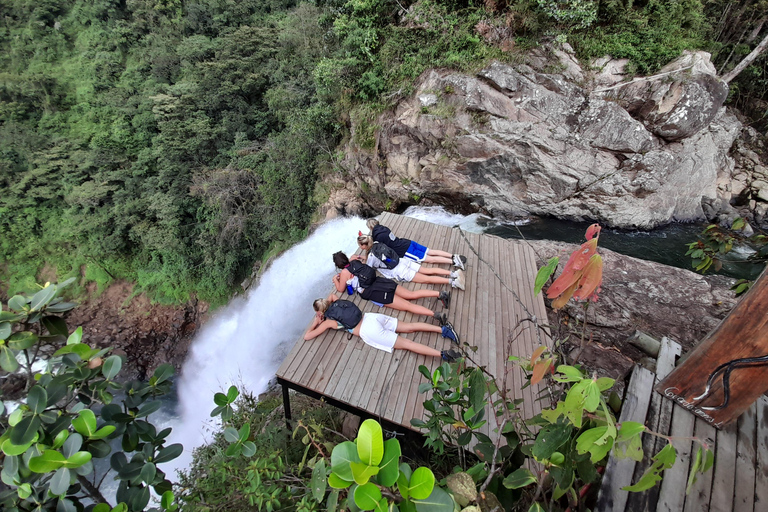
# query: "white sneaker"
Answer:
x=458 y=281
x=459 y=260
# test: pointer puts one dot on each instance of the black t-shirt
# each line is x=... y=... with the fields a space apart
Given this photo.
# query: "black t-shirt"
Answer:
x=383 y=235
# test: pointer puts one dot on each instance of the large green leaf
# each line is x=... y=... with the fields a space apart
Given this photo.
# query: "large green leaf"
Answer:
x=363 y=472
x=544 y=274
x=388 y=469
x=318 y=481
x=11 y=449
x=367 y=496
x=8 y=360
x=148 y=472
x=22 y=340
x=168 y=453
x=437 y=501
x=519 y=478
x=341 y=457
x=7 y=316
x=370 y=443
x=232 y=394
x=37 y=399
x=163 y=373
x=59 y=482
x=72 y=444
x=43 y=297
x=17 y=303
x=78 y=459
x=5 y=330
x=421 y=484
x=61 y=307
x=336 y=482
x=550 y=439
x=25 y=430
x=55 y=325
x=85 y=423
x=75 y=337
x=50 y=460
x=111 y=367
x=148 y=408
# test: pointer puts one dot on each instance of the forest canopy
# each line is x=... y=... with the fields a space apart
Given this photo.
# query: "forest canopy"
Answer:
x=174 y=143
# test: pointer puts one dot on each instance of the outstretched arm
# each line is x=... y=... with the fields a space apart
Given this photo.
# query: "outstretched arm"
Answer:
x=318 y=327
x=338 y=283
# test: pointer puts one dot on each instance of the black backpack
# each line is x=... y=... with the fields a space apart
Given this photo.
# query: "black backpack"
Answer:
x=365 y=275
x=386 y=254
x=344 y=312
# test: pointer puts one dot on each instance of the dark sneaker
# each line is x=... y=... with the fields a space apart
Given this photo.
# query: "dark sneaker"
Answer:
x=459 y=261
x=450 y=333
x=441 y=317
x=445 y=298
x=449 y=355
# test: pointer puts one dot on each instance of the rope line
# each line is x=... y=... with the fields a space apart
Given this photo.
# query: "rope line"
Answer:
x=532 y=317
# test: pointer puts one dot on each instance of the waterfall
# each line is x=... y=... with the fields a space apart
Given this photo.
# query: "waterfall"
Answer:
x=245 y=342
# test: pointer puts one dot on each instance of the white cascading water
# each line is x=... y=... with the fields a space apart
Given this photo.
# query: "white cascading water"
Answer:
x=245 y=342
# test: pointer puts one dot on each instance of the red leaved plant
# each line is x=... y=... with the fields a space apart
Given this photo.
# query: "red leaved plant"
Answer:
x=582 y=275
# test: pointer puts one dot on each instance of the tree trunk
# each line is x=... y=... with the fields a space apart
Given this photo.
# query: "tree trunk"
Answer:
x=760 y=48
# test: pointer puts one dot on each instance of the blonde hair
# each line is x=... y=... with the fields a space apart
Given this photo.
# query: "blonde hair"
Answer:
x=371 y=223
x=365 y=242
x=321 y=305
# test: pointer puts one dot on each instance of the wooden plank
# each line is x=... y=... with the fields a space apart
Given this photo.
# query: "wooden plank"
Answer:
x=724 y=472
x=744 y=490
x=761 y=466
x=672 y=492
x=741 y=343
x=618 y=473
x=658 y=419
x=701 y=492
x=413 y=406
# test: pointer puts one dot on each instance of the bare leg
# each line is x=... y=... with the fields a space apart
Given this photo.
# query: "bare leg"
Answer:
x=412 y=346
x=438 y=252
x=403 y=305
x=438 y=259
x=407 y=294
x=433 y=271
x=421 y=278
x=417 y=327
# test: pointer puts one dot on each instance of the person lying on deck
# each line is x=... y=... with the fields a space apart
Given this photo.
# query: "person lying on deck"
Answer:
x=377 y=330
x=409 y=249
x=363 y=279
x=384 y=259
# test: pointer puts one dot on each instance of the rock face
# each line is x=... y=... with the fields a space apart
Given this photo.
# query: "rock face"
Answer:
x=147 y=334
x=640 y=295
x=516 y=142
x=682 y=100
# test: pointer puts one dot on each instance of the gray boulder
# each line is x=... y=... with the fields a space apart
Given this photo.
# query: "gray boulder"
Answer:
x=512 y=141
x=678 y=102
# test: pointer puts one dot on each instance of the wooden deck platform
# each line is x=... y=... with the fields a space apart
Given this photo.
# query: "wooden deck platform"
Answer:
x=738 y=482
x=499 y=295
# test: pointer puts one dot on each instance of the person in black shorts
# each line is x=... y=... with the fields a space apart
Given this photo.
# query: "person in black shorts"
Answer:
x=387 y=292
x=409 y=249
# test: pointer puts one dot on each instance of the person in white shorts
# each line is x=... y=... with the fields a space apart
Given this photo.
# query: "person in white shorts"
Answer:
x=377 y=330
x=407 y=269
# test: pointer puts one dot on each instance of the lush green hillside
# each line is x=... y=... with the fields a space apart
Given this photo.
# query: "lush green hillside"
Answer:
x=173 y=143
